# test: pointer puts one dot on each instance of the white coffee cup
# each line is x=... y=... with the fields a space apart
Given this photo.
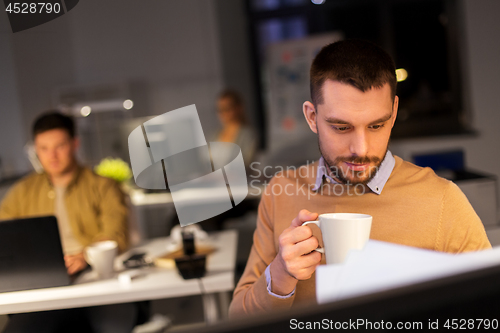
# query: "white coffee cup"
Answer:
x=341 y=233
x=101 y=256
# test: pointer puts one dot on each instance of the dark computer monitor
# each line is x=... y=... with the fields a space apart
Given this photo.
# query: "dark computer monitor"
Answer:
x=31 y=254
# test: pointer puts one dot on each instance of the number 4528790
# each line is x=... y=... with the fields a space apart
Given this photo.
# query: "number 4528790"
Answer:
x=463 y=324
x=33 y=8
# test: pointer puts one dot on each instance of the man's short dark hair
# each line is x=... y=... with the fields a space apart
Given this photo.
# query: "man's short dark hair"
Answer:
x=355 y=62
x=53 y=119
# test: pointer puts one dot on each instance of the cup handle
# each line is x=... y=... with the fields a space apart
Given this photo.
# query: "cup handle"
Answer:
x=319 y=249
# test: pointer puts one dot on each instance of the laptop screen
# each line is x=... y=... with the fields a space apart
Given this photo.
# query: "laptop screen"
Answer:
x=31 y=254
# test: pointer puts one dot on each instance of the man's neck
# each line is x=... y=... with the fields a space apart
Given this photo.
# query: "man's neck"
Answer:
x=63 y=180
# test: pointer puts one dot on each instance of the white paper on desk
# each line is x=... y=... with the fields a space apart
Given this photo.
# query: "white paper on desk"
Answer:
x=337 y=274
x=382 y=266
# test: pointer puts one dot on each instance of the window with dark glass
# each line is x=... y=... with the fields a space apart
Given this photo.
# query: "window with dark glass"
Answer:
x=421 y=35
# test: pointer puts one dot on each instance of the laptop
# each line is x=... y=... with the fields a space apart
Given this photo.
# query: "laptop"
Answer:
x=31 y=255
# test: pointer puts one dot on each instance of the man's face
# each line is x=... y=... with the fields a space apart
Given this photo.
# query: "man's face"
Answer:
x=56 y=151
x=353 y=129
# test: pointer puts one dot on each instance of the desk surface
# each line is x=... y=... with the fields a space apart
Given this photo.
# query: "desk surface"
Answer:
x=155 y=283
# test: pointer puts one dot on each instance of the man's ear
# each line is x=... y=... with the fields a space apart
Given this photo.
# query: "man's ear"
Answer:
x=395 y=110
x=311 y=115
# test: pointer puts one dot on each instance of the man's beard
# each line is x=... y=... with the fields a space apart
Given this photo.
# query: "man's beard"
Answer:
x=342 y=176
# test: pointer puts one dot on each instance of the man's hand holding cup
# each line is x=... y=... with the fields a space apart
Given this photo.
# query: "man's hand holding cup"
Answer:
x=296 y=259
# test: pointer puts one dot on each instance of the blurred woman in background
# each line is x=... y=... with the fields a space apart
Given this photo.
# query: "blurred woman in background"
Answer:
x=235 y=126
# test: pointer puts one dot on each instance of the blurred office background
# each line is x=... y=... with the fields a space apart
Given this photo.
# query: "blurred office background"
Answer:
x=163 y=55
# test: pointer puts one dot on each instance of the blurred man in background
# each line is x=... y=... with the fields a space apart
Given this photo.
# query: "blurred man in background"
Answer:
x=89 y=208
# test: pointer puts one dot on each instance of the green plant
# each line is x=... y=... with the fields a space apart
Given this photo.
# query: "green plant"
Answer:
x=114 y=168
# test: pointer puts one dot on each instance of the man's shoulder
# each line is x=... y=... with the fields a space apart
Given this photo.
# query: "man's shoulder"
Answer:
x=305 y=173
x=30 y=180
x=409 y=173
x=21 y=193
x=95 y=186
x=89 y=177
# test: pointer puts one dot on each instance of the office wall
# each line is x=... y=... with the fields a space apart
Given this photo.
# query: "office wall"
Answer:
x=235 y=52
x=481 y=65
x=34 y=62
x=11 y=120
x=171 y=47
x=43 y=60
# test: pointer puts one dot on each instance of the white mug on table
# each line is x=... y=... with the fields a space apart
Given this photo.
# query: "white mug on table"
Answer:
x=101 y=256
x=342 y=232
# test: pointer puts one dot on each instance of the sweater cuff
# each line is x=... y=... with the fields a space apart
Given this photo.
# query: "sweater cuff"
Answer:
x=268 y=283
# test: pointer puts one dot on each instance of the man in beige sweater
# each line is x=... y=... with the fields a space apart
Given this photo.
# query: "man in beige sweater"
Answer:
x=353 y=109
